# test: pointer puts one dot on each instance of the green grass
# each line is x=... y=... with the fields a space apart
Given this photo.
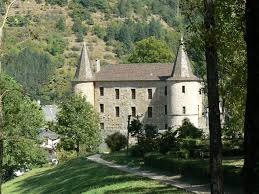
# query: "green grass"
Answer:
x=192 y=171
x=83 y=176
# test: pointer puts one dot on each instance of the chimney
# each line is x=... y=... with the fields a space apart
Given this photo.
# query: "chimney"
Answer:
x=98 y=66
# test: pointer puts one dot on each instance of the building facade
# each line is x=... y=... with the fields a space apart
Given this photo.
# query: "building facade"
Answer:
x=161 y=94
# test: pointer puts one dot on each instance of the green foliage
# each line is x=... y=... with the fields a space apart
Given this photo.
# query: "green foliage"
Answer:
x=56 y=44
x=80 y=30
x=188 y=130
x=61 y=24
x=64 y=155
x=231 y=52
x=99 y=31
x=57 y=2
x=124 y=34
x=167 y=141
x=78 y=123
x=151 y=131
x=31 y=68
x=93 y=6
x=116 y=141
x=151 y=50
x=18 y=21
x=136 y=128
x=22 y=122
x=144 y=146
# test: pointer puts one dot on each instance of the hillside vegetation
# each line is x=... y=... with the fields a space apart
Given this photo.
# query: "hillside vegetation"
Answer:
x=42 y=39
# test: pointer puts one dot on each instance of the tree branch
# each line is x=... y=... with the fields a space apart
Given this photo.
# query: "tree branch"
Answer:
x=6 y=14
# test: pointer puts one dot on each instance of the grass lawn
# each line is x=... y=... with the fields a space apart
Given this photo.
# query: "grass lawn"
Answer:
x=82 y=176
x=195 y=171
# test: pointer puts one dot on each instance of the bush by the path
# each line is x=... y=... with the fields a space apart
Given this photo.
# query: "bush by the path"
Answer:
x=195 y=168
x=116 y=141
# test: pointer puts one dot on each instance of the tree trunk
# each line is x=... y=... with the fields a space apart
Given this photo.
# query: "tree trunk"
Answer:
x=216 y=177
x=1 y=142
x=251 y=127
x=77 y=147
x=5 y=19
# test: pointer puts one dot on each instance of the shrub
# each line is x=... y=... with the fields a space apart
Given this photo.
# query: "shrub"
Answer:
x=145 y=145
x=151 y=131
x=61 y=24
x=188 y=130
x=57 y=2
x=167 y=142
x=116 y=141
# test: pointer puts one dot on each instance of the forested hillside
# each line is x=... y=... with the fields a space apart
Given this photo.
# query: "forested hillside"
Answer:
x=42 y=39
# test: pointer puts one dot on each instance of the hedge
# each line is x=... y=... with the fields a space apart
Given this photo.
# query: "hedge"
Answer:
x=191 y=168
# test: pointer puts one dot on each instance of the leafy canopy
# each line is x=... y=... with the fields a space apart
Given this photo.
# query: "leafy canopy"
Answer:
x=23 y=119
x=151 y=50
x=78 y=123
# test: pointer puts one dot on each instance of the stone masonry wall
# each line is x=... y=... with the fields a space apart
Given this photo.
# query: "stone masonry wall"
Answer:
x=125 y=102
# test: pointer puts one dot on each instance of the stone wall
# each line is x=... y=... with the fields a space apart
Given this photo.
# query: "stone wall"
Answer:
x=191 y=99
x=125 y=102
x=86 y=90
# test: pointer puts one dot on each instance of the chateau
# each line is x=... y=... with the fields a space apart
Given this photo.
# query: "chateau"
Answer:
x=161 y=94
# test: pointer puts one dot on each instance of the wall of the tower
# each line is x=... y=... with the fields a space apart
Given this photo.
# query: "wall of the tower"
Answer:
x=86 y=90
x=184 y=101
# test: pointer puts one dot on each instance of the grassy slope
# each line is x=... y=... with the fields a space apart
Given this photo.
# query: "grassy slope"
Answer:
x=121 y=158
x=82 y=176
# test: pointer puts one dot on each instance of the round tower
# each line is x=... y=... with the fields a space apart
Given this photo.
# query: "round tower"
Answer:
x=184 y=92
x=83 y=83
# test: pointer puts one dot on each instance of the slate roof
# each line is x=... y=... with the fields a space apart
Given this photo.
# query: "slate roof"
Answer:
x=180 y=70
x=49 y=134
x=182 y=67
x=84 y=71
x=134 y=72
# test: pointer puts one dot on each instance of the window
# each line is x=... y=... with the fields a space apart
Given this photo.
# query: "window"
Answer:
x=102 y=108
x=150 y=94
x=133 y=111
x=117 y=93
x=102 y=125
x=150 y=112
x=165 y=109
x=117 y=110
x=165 y=90
x=184 y=110
x=183 y=89
x=133 y=93
x=200 y=91
x=101 y=91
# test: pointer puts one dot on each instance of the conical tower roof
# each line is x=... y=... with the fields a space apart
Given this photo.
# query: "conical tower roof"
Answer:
x=84 y=72
x=182 y=69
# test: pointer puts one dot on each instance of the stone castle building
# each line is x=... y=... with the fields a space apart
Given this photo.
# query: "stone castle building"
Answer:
x=161 y=94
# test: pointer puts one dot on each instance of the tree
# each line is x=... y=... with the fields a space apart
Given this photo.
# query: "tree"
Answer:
x=151 y=50
x=251 y=126
x=20 y=122
x=188 y=130
x=5 y=19
x=78 y=124
x=30 y=68
x=216 y=182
